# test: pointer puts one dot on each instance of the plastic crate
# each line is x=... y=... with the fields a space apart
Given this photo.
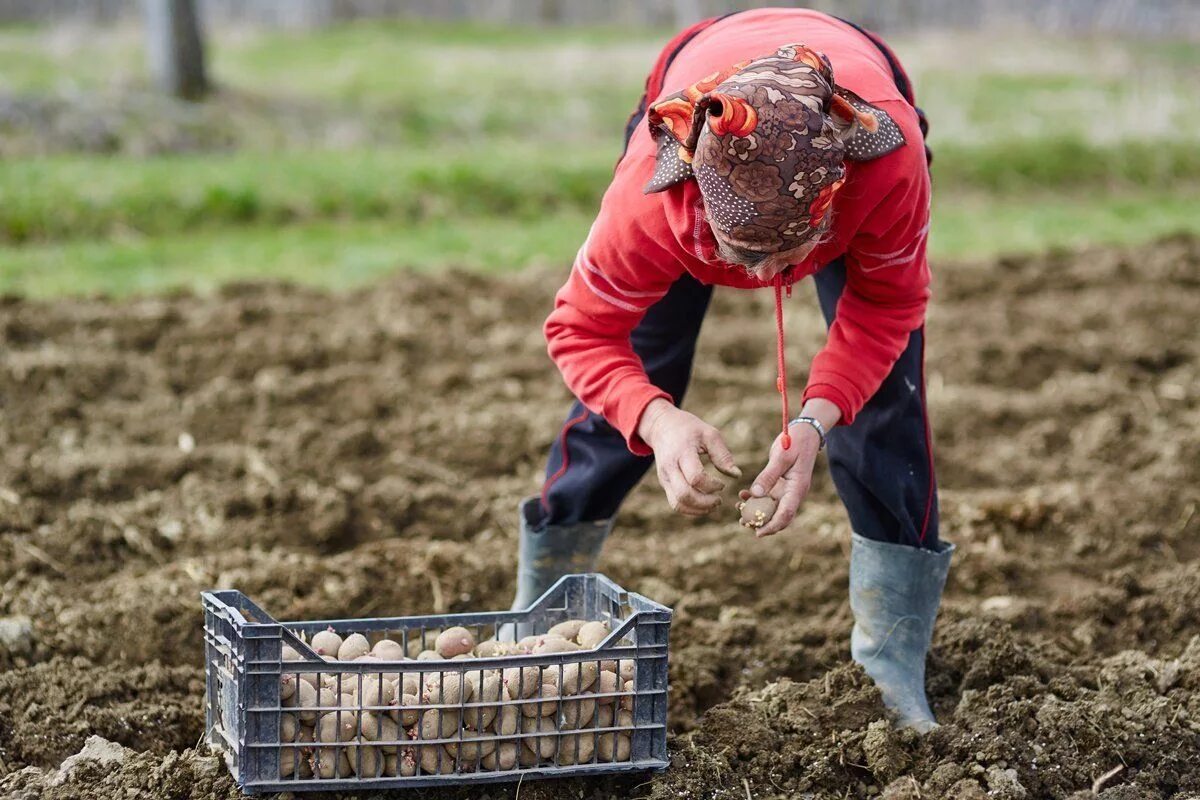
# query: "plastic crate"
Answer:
x=245 y=712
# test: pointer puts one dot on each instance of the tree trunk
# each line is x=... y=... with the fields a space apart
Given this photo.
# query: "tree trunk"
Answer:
x=175 y=48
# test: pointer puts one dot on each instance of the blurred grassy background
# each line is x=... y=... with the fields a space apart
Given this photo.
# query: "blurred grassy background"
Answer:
x=338 y=155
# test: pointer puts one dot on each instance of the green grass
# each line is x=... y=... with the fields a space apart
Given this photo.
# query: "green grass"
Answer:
x=83 y=197
x=350 y=253
x=79 y=197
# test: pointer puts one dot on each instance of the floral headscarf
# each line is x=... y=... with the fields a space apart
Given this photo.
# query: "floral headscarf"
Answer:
x=767 y=141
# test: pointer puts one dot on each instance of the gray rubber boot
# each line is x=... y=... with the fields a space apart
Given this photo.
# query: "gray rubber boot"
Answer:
x=547 y=552
x=895 y=592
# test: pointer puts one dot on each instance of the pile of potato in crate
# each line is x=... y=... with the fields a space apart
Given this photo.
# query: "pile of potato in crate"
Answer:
x=380 y=724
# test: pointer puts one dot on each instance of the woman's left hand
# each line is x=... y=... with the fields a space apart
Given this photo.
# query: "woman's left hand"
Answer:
x=787 y=477
x=788 y=474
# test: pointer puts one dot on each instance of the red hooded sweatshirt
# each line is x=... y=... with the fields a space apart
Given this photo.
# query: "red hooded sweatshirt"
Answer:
x=641 y=244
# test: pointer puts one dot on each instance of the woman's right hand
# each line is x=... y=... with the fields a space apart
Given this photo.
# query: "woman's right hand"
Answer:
x=678 y=439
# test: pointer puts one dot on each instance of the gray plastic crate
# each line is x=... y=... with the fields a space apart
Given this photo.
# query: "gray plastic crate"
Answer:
x=245 y=715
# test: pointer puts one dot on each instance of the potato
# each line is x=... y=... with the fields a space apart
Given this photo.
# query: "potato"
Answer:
x=577 y=713
x=305 y=698
x=365 y=760
x=408 y=716
x=625 y=670
x=406 y=762
x=568 y=629
x=527 y=644
x=592 y=634
x=542 y=745
x=289 y=653
x=352 y=647
x=606 y=683
x=377 y=692
x=337 y=726
x=328 y=699
x=507 y=721
x=613 y=746
x=549 y=694
x=453 y=642
x=554 y=644
x=287 y=687
x=408 y=683
x=326 y=643
x=576 y=749
x=627 y=700
x=527 y=757
x=439 y=724
x=435 y=759
x=492 y=649
x=388 y=650
x=330 y=762
x=340 y=682
x=391 y=765
x=578 y=678
x=605 y=716
x=503 y=757
x=289 y=759
x=381 y=728
x=313 y=679
x=473 y=746
x=446 y=688
x=757 y=511
x=491 y=690
x=522 y=681
x=289 y=726
x=428 y=655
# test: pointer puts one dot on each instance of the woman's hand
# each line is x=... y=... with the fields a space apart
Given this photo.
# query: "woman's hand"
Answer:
x=678 y=439
x=788 y=474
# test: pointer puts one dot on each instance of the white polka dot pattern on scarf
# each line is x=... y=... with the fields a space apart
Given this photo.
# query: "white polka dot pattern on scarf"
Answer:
x=726 y=210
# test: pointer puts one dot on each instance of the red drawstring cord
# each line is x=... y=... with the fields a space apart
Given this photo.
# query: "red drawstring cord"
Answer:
x=781 y=380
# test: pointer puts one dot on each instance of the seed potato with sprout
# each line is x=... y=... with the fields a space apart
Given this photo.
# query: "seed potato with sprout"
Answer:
x=591 y=634
x=352 y=647
x=454 y=641
x=388 y=650
x=337 y=726
x=555 y=644
x=326 y=642
x=492 y=649
x=330 y=762
x=757 y=511
x=568 y=629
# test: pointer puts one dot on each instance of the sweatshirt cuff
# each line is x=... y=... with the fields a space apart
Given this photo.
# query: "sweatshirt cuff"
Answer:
x=624 y=411
x=827 y=391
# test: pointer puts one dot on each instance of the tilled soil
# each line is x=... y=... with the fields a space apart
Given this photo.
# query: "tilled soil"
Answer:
x=363 y=454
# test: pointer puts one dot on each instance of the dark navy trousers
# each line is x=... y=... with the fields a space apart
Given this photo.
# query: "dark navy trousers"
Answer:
x=881 y=464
